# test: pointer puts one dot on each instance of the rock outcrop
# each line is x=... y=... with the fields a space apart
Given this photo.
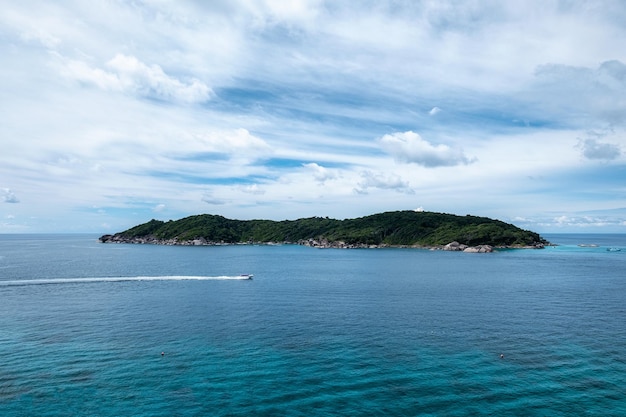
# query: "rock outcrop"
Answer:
x=479 y=249
x=321 y=243
x=455 y=247
x=459 y=247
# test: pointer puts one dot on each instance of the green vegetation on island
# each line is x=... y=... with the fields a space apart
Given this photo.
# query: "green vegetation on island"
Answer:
x=397 y=228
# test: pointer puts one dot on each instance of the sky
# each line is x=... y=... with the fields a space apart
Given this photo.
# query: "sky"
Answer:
x=116 y=112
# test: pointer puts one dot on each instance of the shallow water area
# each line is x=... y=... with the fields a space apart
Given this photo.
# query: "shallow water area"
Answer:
x=316 y=332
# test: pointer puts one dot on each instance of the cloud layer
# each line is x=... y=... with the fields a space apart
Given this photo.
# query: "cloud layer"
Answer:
x=114 y=112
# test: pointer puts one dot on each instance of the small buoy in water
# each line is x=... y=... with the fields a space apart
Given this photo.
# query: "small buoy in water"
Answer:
x=162 y=353
x=501 y=356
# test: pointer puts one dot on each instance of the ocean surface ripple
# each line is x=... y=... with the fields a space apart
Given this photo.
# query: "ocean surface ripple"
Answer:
x=108 y=330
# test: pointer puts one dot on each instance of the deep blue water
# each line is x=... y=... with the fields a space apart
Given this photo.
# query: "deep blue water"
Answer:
x=400 y=332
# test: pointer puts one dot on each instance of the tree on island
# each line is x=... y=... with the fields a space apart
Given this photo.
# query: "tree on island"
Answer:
x=395 y=228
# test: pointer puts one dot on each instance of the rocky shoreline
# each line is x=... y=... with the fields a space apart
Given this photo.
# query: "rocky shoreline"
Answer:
x=315 y=243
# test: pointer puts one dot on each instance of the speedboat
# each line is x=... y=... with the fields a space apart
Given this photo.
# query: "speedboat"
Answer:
x=246 y=276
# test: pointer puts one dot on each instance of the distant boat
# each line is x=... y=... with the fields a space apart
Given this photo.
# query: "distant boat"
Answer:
x=246 y=276
x=588 y=245
x=613 y=249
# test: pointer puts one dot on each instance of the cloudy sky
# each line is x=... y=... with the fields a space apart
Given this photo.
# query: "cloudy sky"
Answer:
x=117 y=112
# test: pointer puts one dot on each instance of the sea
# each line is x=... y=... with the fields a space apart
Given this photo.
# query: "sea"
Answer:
x=93 y=329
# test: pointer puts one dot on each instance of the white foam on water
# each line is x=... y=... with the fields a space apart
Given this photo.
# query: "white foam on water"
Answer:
x=121 y=279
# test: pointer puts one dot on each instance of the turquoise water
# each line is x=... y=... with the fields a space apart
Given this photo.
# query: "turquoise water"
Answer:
x=318 y=332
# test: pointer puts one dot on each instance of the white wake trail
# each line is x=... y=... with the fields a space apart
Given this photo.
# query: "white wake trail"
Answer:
x=122 y=279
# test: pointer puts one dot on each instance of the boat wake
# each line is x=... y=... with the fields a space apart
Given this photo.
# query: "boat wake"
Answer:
x=51 y=281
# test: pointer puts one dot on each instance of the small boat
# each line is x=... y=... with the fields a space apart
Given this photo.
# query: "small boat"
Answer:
x=246 y=276
x=613 y=249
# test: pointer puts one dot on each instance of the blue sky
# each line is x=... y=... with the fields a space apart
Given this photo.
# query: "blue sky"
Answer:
x=114 y=113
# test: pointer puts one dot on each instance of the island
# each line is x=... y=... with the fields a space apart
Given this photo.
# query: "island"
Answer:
x=415 y=229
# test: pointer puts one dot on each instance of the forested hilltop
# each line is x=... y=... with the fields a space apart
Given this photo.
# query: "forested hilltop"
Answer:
x=397 y=228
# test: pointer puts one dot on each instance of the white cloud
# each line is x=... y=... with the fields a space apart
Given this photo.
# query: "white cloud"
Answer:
x=320 y=173
x=251 y=189
x=382 y=181
x=82 y=72
x=128 y=74
x=159 y=208
x=582 y=221
x=151 y=81
x=410 y=147
x=8 y=196
x=434 y=111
